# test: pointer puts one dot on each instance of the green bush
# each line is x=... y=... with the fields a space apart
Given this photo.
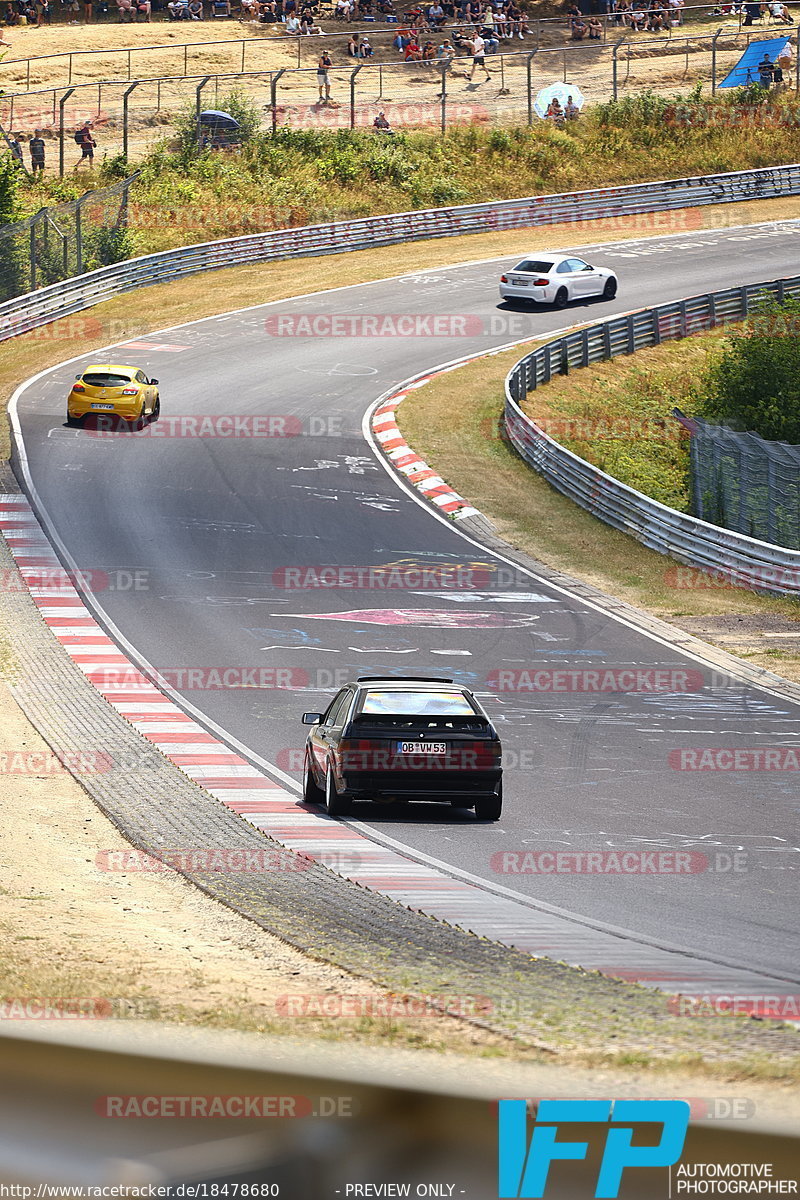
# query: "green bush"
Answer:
x=753 y=383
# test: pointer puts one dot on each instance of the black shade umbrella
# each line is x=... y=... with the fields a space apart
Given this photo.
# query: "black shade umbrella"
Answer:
x=220 y=120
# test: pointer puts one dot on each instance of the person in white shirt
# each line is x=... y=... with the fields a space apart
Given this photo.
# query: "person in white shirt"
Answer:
x=478 y=55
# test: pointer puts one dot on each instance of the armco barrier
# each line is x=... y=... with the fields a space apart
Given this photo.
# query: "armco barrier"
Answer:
x=743 y=560
x=73 y=295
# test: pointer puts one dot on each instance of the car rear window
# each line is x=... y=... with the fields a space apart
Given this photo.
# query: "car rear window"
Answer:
x=105 y=379
x=412 y=704
x=534 y=264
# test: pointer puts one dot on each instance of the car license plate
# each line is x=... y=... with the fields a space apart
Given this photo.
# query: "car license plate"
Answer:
x=422 y=747
x=105 y=407
x=520 y=282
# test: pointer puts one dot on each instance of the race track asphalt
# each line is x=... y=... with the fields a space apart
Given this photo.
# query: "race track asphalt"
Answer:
x=212 y=524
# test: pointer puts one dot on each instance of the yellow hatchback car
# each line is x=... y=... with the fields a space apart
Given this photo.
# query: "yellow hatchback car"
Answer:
x=124 y=392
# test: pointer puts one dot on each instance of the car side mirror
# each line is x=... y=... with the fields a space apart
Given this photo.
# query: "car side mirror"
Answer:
x=312 y=718
x=77 y=376
x=154 y=381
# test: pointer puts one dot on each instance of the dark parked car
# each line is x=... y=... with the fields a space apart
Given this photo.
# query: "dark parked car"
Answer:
x=403 y=739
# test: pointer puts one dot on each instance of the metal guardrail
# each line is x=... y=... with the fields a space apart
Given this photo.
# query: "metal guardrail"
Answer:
x=743 y=560
x=35 y=309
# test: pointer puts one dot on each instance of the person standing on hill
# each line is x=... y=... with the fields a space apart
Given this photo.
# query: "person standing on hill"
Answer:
x=87 y=144
x=36 y=148
x=324 y=83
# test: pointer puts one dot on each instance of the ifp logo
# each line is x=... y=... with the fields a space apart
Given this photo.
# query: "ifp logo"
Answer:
x=523 y=1170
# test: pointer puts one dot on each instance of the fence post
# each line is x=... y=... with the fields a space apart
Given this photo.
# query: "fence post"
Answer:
x=564 y=57
x=185 y=60
x=714 y=61
x=443 y=94
x=244 y=46
x=197 y=106
x=69 y=73
x=99 y=97
x=125 y=95
x=273 y=97
x=631 y=335
x=528 y=62
x=129 y=66
x=28 y=82
x=32 y=258
x=61 y=104
x=353 y=74
x=614 y=66
x=79 y=231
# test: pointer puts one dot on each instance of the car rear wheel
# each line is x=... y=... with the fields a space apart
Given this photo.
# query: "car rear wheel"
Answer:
x=73 y=421
x=489 y=808
x=312 y=792
x=610 y=289
x=562 y=298
x=335 y=805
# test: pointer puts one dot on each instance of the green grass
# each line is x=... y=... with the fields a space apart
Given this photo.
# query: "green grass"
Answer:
x=304 y=176
x=618 y=415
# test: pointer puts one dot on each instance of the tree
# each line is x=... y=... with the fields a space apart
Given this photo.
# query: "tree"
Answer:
x=753 y=385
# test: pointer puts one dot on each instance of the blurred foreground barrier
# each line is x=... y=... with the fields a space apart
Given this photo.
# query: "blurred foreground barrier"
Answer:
x=87 y=1107
x=733 y=556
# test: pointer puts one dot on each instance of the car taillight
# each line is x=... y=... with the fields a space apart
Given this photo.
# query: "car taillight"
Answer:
x=476 y=755
x=504 y=279
x=78 y=387
x=540 y=282
x=359 y=754
x=130 y=391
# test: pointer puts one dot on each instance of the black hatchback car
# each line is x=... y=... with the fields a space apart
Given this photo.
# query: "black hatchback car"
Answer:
x=403 y=739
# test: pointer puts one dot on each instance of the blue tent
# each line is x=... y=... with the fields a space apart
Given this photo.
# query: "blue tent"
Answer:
x=746 y=70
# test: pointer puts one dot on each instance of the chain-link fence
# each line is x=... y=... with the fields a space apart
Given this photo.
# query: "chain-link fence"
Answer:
x=64 y=240
x=130 y=117
x=742 y=482
x=268 y=47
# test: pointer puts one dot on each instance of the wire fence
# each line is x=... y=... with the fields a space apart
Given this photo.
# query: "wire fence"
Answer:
x=742 y=482
x=130 y=117
x=270 y=48
x=64 y=240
